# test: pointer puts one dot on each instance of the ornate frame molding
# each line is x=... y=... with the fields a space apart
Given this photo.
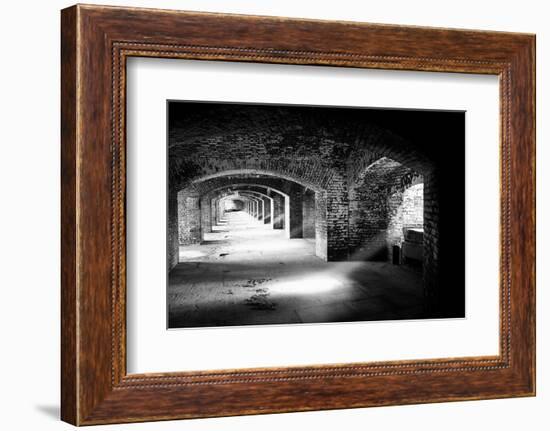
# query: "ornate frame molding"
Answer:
x=96 y=41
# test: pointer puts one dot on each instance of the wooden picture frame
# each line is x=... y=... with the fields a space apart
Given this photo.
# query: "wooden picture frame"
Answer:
x=95 y=43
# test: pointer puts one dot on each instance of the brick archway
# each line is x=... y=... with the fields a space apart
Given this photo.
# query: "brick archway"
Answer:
x=298 y=207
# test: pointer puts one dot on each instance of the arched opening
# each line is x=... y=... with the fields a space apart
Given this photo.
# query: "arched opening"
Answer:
x=229 y=205
x=406 y=223
x=387 y=214
x=280 y=203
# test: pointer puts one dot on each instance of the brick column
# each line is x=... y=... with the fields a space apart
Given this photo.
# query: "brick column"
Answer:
x=337 y=219
x=321 y=225
x=308 y=214
x=189 y=219
x=278 y=210
x=173 y=241
x=206 y=212
x=295 y=212
x=267 y=210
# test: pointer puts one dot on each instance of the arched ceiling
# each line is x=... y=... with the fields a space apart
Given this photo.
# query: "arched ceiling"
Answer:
x=309 y=145
x=280 y=185
x=193 y=123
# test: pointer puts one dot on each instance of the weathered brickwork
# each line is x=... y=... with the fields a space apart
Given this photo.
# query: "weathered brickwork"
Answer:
x=308 y=214
x=405 y=210
x=278 y=210
x=173 y=229
x=337 y=219
x=296 y=212
x=189 y=219
x=206 y=216
x=268 y=208
x=321 y=239
x=431 y=267
x=368 y=210
x=311 y=173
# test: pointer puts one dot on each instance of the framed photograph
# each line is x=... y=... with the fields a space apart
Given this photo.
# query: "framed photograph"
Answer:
x=264 y=215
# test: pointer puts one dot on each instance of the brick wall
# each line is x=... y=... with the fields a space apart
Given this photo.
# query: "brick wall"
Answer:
x=278 y=210
x=295 y=212
x=321 y=240
x=380 y=206
x=268 y=204
x=172 y=231
x=337 y=219
x=206 y=216
x=260 y=207
x=431 y=264
x=308 y=214
x=405 y=208
x=189 y=219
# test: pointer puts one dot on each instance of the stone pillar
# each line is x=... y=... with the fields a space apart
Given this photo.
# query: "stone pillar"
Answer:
x=308 y=214
x=295 y=212
x=189 y=219
x=213 y=212
x=321 y=242
x=260 y=204
x=173 y=241
x=219 y=210
x=206 y=220
x=278 y=210
x=267 y=210
x=337 y=211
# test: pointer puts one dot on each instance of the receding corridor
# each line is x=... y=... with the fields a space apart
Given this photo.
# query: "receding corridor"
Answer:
x=245 y=272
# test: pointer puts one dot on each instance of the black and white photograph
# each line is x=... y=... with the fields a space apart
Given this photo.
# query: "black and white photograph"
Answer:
x=295 y=214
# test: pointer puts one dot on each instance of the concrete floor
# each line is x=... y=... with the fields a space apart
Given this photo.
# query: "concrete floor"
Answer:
x=245 y=273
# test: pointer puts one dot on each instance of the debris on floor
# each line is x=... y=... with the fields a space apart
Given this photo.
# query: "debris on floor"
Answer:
x=261 y=301
x=270 y=279
x=253 y=282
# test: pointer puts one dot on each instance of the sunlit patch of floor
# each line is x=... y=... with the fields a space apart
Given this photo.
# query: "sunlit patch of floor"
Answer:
x=248 y=274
